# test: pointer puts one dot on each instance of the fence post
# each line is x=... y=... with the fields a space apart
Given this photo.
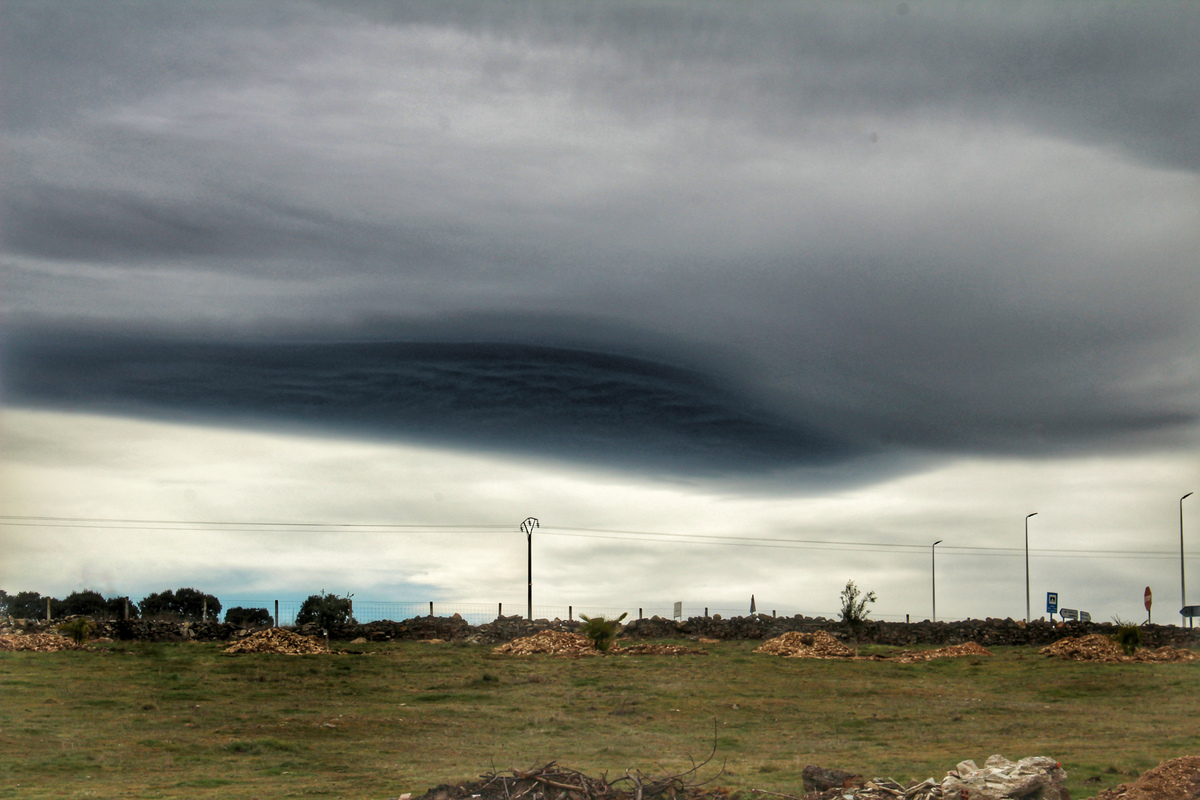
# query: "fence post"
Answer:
x=570 y=613
x=639 y=613
x=203 y=609
x=431 y=608
x=276 y=613
x=127 y=609
x=706 y=612
x=499 y=609
x=772 y=613
x=47 y=609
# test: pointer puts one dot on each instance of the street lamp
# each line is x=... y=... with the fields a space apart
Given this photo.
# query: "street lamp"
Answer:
x=527 y=526
x=1182 y=582
x=1027 y=516
x=933 y=574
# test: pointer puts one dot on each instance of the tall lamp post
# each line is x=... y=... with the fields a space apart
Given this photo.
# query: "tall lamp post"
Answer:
x=527 y=526
x=1027 y=516
x=933 y=574
x=1182 y=581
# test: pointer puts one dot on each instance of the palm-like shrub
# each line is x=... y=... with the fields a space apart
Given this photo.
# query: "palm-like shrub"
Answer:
x=78 y=629
x=601 y=630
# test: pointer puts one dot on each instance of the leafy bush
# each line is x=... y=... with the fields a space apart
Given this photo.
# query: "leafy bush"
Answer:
x=30 y=605
x=186 y=603
x=249 y=617
x=78 y=629
x=601 y=631
x=1128 y=635
x=328 y=611
x=87 y=603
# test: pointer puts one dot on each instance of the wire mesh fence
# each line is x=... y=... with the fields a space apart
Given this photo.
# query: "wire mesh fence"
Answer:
x=286 y=611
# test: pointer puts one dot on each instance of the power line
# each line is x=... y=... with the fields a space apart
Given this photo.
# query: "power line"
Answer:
x=109 y=523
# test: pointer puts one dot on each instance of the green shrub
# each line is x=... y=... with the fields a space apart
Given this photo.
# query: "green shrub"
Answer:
x=601 y=631
x=1128 y=635
x=78 y=629
x=328 y=611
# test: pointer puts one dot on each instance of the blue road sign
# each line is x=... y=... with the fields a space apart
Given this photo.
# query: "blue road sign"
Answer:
x=1051 y=602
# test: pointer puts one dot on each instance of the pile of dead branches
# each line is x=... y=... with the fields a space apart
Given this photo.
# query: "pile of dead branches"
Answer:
x=278 y=640
x=952 y=651
x=805 y=645
x=553 y=782
x=1097 y=647
x=554 y=643
x=38 y=642
x=657 y=650
x=1171 y=780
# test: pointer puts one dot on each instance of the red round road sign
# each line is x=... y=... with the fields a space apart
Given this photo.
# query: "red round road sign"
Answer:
x=1149 y=597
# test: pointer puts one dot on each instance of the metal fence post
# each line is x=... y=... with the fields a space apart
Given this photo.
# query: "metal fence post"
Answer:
x=276 y=613
x=499 y=609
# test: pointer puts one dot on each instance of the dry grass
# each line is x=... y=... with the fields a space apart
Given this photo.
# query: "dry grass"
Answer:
x=176 y=721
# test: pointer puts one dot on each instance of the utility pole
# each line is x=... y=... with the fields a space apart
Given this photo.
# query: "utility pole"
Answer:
x=527 y=526
x=1034 y=514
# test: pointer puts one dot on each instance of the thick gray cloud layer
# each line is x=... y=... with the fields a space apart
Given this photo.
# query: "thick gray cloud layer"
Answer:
x=962 y=227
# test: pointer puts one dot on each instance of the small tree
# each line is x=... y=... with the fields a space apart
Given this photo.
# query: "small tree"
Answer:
x=87 y=603
x=327 y=610
x=601 y=631
x=854 y=610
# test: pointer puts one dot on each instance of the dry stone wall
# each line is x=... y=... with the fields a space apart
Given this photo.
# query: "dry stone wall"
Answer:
x=987 y=632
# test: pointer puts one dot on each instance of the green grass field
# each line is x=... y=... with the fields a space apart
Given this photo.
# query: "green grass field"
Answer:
x=186 y=721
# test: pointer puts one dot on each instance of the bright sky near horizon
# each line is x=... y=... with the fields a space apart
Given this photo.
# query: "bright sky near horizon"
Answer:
x=735 y=299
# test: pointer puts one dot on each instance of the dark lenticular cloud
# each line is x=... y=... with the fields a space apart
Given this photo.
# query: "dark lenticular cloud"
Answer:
x=967 y=228
x=565 y=403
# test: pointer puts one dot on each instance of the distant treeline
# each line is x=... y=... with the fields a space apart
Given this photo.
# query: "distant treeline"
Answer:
x=184 y=603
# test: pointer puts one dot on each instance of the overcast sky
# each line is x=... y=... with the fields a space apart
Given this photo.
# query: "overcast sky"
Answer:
x=838 y=280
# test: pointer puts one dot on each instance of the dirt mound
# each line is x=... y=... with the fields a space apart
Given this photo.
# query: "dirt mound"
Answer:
x=278 y=640
x=1176 y=779
x=38 y=642
x=953 y=651
x=1097 y=647
x=554 y=643
x=805 y=645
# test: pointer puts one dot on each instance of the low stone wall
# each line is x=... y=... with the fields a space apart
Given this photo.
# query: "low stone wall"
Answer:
x=987 y=632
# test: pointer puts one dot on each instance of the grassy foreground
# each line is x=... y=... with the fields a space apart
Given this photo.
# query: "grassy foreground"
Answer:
x=186 y=721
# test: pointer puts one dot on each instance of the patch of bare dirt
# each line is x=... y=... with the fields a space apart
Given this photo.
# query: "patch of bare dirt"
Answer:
x=278 y=640
x=794 y=644
x=1097 y=647
x=38 y=642
x=1177 y=779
